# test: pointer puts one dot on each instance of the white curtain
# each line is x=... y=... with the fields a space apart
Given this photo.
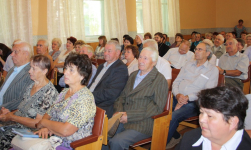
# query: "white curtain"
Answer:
x=152 y=18
x=173 y=19
x=15 y=22
x=65 y=18
x=115 y=19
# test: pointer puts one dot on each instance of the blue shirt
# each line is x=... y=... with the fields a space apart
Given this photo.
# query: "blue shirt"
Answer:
x=9 y=80
x=94 y=70
x=139 y=78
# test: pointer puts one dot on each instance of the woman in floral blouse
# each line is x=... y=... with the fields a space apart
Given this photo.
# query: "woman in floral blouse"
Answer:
x=37 y=99
x=72 y=116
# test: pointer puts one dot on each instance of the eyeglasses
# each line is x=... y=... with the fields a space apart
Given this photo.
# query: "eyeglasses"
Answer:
x=198 y=49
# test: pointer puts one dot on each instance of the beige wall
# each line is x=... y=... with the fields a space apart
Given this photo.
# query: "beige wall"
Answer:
x=39 y=17
x=131 y=15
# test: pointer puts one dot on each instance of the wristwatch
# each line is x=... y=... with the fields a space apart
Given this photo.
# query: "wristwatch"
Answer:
x=224 y=72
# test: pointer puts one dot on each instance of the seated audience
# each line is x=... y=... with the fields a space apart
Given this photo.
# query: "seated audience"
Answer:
x=17 y=79
x=59 y=62
x=144 y=96
x=243 y=36
x=163 y=66
x=110 y=79
x=239 y=28
x=72 y=116
x=209 y=36
x=212 y=60
x=179 y=56
x=248 y=40
x=193 y=77
x=222 y=114
x=131 y=58
x=219 y=48
x=139 y=40
x=234 y=65
x=37 y=98
x=99 y=52
x=147 y=36
x=128 y=41
x=42 y=49
x=5 y=51
x=166 y=40
x=234 y=34
x=78 y=45
x=193 y=37
x=229 y=35
x=56 y=44
x=241 y=44
x=162 y=47
x=88 y=50
x=197 y=41
x=9 y=62
x=223 y=33
x=214 y=35
x=178 y=39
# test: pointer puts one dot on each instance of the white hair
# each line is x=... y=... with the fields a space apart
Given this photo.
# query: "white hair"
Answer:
x=115 y=43
x=221 y=37
x=151 y=43
x=208 y=42
x=154 y=54
x=234 y=40
x=26 y=47
x=249 y=35
x=208 y=49
x=89 y=48
x=58 y=40
x=45 y=42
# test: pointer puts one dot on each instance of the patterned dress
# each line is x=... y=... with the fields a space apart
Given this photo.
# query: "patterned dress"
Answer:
x=30 y=106
x=78 y=110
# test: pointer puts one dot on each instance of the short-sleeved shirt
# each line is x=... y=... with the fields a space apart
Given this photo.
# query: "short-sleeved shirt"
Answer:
x=78 y=110
x=238 y=61
x=193 y=79
x=178 y=60
x=163 y=66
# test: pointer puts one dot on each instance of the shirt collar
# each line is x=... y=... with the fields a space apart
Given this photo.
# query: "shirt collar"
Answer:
x=17 y=69
x=236 y=54
x=233 y=143
x=143 y=76
x=205 y=64
x=107 y=66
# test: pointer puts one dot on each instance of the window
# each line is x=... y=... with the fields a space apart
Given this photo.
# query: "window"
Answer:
x=164 y=11
x=139 y=16
x=93 y=16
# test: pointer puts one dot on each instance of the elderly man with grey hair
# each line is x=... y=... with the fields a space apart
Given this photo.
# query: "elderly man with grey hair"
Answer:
x=18 y=78
x=219 y=48
x=42 y=49
x=234 y=65
x=88 y=50
x=110 y=79
x=163 y=66
x=193 y=77
x=144 y=96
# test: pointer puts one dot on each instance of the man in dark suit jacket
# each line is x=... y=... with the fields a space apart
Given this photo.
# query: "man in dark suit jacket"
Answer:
x=110 y=78
x=18 y=78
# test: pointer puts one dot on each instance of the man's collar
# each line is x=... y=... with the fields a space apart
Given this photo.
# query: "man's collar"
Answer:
x=205 y=64
x=236 y=54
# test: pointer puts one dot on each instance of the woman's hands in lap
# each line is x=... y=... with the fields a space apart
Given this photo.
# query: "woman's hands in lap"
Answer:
x=43 y=133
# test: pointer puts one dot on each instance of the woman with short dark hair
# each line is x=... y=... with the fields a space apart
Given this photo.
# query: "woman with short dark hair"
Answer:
x=37 y=99
x=178 y=40
x=5 y=51
x=72 y=116
x=131 y=58
x=127 y=41
x=222 y=114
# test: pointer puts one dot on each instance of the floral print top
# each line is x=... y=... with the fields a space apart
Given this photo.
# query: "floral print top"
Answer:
x=78 y=110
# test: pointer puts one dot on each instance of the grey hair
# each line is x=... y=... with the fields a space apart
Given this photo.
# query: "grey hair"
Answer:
x=26 y=47
x=239 y=40
x=154 y=54
x=116 y=44
x=58 y=40
x=221 y=37
x=186 y=42
x=151 y=43
x=208 y=42
x=249 y=35
x=45 y=42
x=90 y=49
x=208 y=33
x=208 y=49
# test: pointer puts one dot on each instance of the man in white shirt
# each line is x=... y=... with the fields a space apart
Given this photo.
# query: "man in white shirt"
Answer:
x=178 y=57
x=163 y=66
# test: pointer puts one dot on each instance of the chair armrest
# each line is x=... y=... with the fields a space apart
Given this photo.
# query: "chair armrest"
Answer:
x=84 y=141
x=161 y=115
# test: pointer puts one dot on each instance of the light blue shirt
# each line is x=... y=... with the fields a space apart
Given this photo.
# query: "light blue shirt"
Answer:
x=94 y=70
x=9 y=80
x=139 y=78
x=248 y=52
